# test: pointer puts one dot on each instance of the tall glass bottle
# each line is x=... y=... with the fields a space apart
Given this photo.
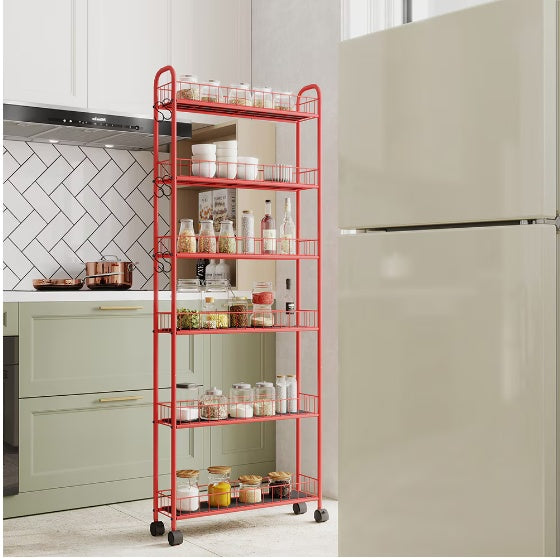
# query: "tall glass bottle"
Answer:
x=268 y=230
x=287 y=230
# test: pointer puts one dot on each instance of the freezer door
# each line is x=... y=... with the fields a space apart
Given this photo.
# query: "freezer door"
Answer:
x=451 y=119
x=447 y=343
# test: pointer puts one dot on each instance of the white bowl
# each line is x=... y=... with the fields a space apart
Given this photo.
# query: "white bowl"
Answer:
x=227 y=144
x=278 y=173
x=206 y=170
x=204 y=157
x=226 y=169
x=227 y=159
x=247 y=168
x=221 y=151
x=204 y=149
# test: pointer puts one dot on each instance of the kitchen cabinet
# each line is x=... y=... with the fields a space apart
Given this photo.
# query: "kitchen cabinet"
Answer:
x=10 y=318
x=45 y=52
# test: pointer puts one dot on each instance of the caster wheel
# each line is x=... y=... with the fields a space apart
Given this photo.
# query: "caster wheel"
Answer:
x=157 y=528
x=321 y=515
x=175 y=538
x=300 y=508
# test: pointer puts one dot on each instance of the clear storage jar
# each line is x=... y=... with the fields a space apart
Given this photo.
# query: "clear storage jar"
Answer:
x=188 y=87
x=219 y=487
x=207 y=237
x=187 y=408
x=239 y=94
x=283 y=100
x=250 y=491
x=241 y=401
x=262 y=97
x=210 y=91
x=238 y=308
x=188 y=499
x=186 y=241
x=213 y=405
x=265 y=399
x=226 y=238
x=262 y=316
x=188 y=316
x=218 y=290
x=262 y=293
x=280 y=484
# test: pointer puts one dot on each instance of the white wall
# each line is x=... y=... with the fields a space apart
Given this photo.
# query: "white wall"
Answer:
x=295 y=43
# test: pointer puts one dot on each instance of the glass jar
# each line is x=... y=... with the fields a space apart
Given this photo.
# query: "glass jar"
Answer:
x=207 y=237
x=265 y=399
x=238 y=309
x=226 y=238
x=280 y=484
x=219 y=487
x=187 y=490
x=209 y=316
x=239 y=94
x=188 y=87
x=283 y=100
x=188 y=317
x=210 y=91
x=218 y=290
x=262 y=97
x=187 y=407
x=250 y=491
x=213 y=405
x=263 y=298
x=187 y=239
x=241 y=401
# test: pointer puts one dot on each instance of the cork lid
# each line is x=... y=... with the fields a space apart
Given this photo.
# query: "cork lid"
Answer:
x=279 y=475
x=250 y=479
x=187 y=473
x=219 y=470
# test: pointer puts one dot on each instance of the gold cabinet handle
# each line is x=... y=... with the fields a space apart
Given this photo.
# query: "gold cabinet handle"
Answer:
x=126 y=398
x=121 y=308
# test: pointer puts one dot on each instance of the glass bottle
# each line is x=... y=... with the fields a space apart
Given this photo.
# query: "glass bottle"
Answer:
x=207 y=237
x=265 y=399
x=219 y=487
x=241 y=401
x=226 y=238
x=187 y=239
x=281 y=395
x=187 y=408
x=222 y=271
x=287 y=230
x=187 y=490
x=213 y=405
x=268 y=230
x=188 y=87
x=250 y=491
x=210 y=271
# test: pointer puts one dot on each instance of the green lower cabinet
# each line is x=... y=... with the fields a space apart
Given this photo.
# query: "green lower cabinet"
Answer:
x=10 y=319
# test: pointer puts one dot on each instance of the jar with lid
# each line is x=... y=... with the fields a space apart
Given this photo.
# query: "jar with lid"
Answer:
x=187 y=407
x=187 y=490
x=239 y=94
x=262 y=97
x=209 y=316
x=250 y=491
x=241 y=401
x=248 y=232
x=210 y=91
x=188 y=87
x=280 y=484
x=265 y=399
x=207 y=237
x=238 y=308
x=219 y=487
x=226 y=238
x=213 y=405
x=187 y=239
x=263 y=298
x=283 y=100
x=218 y=290
x=188 y=317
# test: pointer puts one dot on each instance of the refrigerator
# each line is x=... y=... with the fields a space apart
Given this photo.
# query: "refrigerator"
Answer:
x=448 y=285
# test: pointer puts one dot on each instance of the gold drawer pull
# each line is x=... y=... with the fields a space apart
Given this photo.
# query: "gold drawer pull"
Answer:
x=127 y=398
x=121 y=308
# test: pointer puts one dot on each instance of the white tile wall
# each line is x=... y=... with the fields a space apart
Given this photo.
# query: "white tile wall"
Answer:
x=65 y=204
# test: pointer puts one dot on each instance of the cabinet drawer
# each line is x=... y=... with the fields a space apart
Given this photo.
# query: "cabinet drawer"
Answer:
x=10 y=318
x=89 y=347
x=82 y=439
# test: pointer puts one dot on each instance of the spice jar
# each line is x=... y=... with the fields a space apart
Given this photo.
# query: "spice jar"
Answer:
x=283 y=100
x=188 y=87
x=248 y=232
x=262 y=97
x=213 y=405
x=239 y=94
x=210 y=91
x=241 y=401
x=187 y=239
x=226 y=238
x=250 y=489
x=219 y=487
x=189 y=318
x=238 y=308
x=187 y=490
x=265 y=399
x=207 y=238
x=263 y=293
x=209 y=314
x=280 y=484
x=187 y=408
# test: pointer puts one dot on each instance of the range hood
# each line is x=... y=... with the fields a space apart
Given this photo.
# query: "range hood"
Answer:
x=67 y=126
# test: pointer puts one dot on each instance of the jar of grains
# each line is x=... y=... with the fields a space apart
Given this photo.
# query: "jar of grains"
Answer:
x=262 y=97
x=188 y=87
x=213 y=405
x=238 y=312
x=187 y=239
x=187 y=490
x=226 y=238
x=283 y=100
x=248 y=232
x=189 y=318
x=250 y=489
x=210 y=91
x=219 y=487
x=207 y=238
x=280 y=484
x=265 y=399
x=241 y=401
x=239 y=94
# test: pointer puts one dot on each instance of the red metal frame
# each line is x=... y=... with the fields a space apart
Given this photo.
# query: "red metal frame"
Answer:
x=174 y=173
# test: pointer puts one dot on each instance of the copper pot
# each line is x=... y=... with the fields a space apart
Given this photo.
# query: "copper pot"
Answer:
x=109 y=274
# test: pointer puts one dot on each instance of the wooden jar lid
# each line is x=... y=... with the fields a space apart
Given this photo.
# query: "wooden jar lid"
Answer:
x=219 y=470
x=187 y=473
x=250 y=479
x=279 y=475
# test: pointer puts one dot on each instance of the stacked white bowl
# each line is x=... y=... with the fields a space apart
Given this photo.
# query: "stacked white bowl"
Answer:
x=247 y=168
x=204 y=160
x=226 y=154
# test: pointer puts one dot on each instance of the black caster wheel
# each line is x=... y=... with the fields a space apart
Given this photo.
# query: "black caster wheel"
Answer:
x=175 y=538
x=157 y=528
x=321 y=515
x=300 y=508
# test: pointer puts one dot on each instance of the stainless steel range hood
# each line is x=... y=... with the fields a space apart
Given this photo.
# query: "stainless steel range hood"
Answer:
x=56 y=125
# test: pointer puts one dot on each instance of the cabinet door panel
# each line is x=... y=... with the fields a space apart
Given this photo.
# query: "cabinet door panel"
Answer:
x=45 y=52
x=76 y=440
x=71 y=348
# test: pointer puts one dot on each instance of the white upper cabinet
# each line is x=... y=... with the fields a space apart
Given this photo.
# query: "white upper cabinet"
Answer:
x=45 y=52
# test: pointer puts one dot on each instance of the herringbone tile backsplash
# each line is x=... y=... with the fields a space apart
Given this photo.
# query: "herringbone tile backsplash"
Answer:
x=64 y=205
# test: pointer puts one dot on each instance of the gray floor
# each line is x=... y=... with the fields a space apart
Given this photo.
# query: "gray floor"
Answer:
x=123 y=530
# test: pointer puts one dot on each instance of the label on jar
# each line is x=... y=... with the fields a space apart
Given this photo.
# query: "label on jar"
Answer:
x=269 y=240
